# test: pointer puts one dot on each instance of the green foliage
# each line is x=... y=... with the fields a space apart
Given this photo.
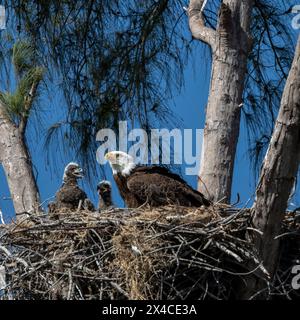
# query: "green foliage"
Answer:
x=18 y=104
x=123 y=60
x=117 y=60
x=22 y=57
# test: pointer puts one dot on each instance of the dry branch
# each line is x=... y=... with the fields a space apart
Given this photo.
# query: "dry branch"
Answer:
x=134 y=254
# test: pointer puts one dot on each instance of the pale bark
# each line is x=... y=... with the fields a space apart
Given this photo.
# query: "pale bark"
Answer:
x=230 y=46
x=15 y=158
x=279 y=170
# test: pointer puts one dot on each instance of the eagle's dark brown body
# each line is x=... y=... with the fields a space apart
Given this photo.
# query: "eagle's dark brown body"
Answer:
x=131 y=200
x=69 y=196
x=105 y=197
x=157 y=186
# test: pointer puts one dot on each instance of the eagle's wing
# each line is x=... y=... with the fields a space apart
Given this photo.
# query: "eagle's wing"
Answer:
x=161 y=187
x=160 y=170
x=70 y=194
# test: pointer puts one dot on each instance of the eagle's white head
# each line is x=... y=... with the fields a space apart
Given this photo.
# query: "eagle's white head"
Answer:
x=120 y=162
x=72 y=171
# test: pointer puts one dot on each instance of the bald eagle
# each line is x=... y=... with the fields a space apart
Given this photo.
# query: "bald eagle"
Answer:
x=70 y=195
x=154 y=185
x=104 y=192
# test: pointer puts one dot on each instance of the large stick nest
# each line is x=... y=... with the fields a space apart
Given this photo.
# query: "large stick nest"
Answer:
x=164 y=253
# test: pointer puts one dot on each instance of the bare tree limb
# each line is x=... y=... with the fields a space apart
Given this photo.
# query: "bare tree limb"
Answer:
x=197 y=24
x=15 y=158
x=279 y=170
x=230 y=44
x=28 y=105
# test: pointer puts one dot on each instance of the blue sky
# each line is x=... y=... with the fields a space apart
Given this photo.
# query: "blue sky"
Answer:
x=189 y=106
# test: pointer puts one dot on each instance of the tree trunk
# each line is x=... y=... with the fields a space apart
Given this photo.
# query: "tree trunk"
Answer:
x=14 y=157
x=230 y=48
x=279 y=170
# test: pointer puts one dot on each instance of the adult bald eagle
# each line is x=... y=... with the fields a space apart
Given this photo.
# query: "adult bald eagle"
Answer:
x=70 y=195
x=105 y=198
x=151 y=184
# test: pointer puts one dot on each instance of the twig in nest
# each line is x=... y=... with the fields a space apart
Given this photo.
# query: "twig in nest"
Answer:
x=87 y=256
